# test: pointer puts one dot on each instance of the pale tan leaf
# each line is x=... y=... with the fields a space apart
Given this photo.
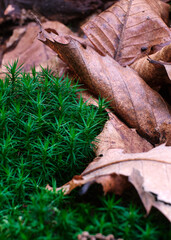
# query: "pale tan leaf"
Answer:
x=128 y=29
x=149 y=172
x=153 y=166
x=116 y=135
x=147 y=198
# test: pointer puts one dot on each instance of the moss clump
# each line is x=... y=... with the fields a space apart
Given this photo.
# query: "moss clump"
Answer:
x=46 y=136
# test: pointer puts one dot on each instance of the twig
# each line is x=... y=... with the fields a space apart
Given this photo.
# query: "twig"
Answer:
x=98 y=236
x=157 y=62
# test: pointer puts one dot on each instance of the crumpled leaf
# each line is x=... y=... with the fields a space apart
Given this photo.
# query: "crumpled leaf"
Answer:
x=149 y=172
x=129 y=29
x=24 y=46
x=130 y=97
x=155 y=74
x=116 y=135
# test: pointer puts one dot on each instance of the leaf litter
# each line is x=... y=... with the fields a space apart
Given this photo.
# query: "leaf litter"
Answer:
x=134 y=146
x=126 y=33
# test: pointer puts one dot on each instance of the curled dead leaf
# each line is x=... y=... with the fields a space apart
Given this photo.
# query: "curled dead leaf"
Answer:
x=155 y=74
x=130 y=97
x=149 y=172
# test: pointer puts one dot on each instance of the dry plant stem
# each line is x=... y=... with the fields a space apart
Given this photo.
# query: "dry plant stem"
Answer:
x=157 y=62
x=98 y=236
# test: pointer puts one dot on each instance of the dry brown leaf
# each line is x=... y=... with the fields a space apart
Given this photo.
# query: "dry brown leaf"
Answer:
x=29 y=50
x=164 y=11
x=128 y=29
x=55 y=64
x=116 y=135
x=15 y=38
x=130 y=97
x=155 y=75
x=149 y=172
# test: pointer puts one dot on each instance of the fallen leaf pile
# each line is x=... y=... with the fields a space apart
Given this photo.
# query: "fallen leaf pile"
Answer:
x=133 y=33
x=125 y=57
x=129 y=29
x=149 y=172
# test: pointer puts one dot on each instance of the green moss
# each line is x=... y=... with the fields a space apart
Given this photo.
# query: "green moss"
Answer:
x=45 y=130
x=51 y=215
x=46 y=136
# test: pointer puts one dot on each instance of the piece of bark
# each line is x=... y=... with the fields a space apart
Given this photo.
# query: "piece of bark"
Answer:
x=66 y=10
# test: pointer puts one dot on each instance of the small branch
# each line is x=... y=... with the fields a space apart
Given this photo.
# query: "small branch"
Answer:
x=37 y=20
x=98 y=236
